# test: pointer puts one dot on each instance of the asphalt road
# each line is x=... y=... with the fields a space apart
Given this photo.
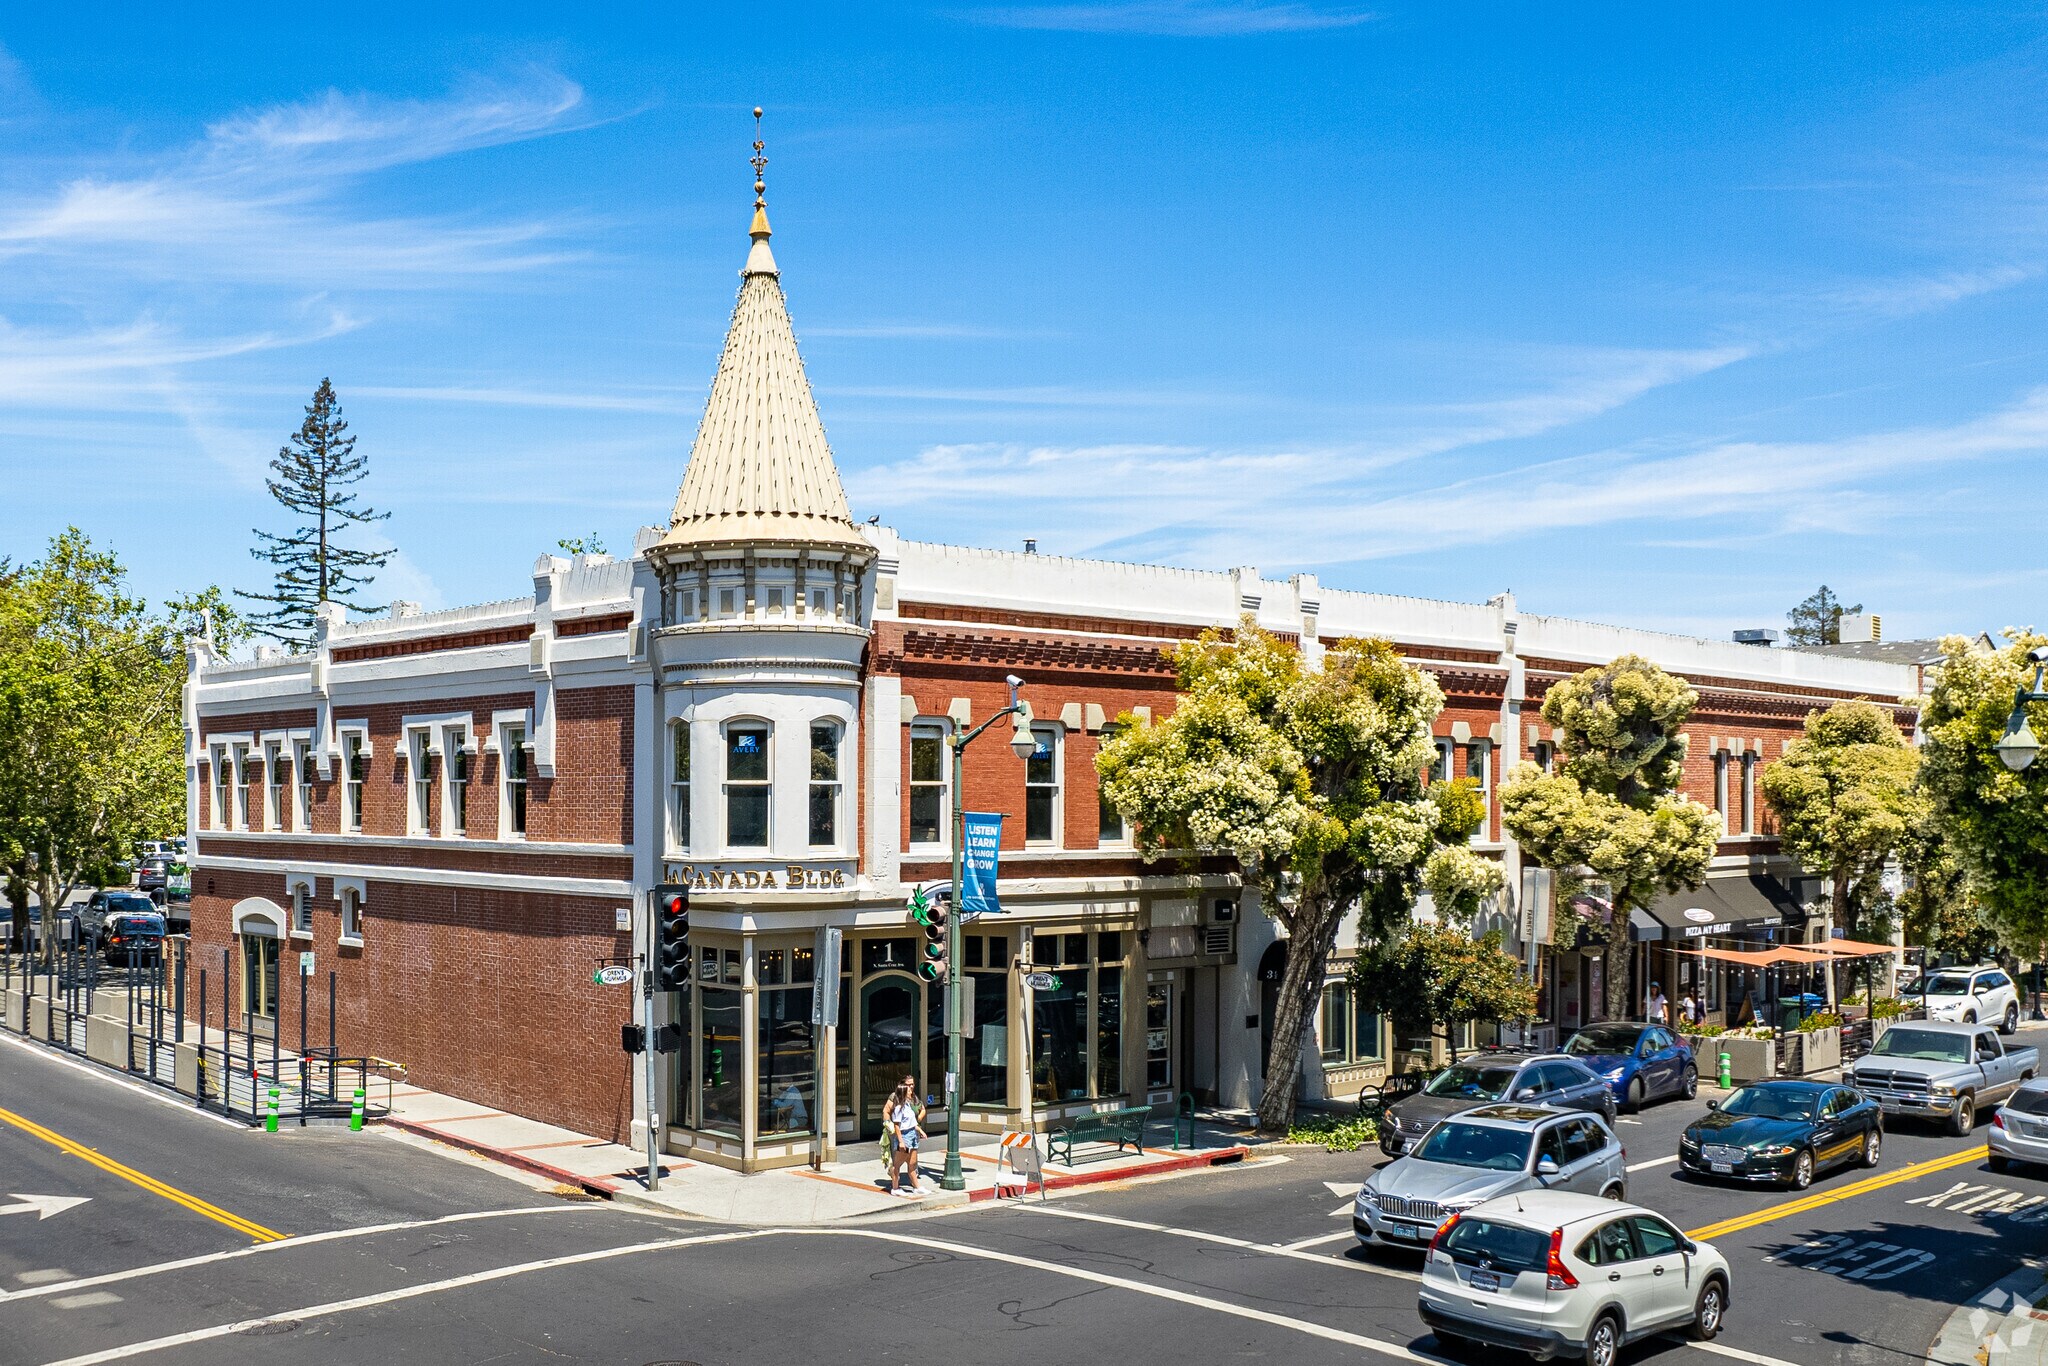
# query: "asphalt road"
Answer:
x=393 y=1253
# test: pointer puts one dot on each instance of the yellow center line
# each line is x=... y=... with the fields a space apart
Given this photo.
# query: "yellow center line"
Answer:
x=1849 y=1192
x=148 y=1183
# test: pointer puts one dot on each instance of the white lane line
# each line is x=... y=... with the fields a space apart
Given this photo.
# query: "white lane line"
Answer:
x=1653 y=1162
x=1300 y=1243
x=285 y=1245
x=410 y=1292
x=47 y=1274
x=111 y=1079
x=1198 y=1235
x=88 y=1300
x=1757 y=1359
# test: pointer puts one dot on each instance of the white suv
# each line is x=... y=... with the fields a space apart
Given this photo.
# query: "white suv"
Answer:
x=1556 y=1275
x=1980 y=995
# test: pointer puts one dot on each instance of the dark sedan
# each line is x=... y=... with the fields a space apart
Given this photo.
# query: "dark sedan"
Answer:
x=1488 y=1079
x=1641 y=1062
x=1783 y=1131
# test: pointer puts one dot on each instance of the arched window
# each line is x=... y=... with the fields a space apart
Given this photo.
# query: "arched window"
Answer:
x=351 y=914
x=747 y=785
x=825 y=783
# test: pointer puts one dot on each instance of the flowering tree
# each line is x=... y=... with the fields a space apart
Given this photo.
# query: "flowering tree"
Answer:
x=1846 y=801
x=1997 y=819
x=1313 y=779
x=1613 y=806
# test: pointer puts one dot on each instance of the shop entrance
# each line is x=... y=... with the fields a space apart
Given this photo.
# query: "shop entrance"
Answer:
x=892 y=1019
x=259 y=981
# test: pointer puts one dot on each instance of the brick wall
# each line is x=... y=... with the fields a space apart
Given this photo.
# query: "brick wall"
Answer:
x=481 y=994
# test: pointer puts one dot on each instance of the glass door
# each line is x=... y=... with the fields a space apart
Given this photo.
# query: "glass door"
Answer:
x=259 y=982
x=1159 y=1037
x=891 y=1027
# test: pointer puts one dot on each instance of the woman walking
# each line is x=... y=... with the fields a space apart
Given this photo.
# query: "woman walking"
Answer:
x=901 y=1116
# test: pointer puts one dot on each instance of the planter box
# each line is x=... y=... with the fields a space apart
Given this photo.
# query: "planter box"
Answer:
x=1748 y=1059
x=1821 y=1049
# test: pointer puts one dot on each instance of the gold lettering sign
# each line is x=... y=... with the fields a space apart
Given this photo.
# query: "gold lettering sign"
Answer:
x=795 y=877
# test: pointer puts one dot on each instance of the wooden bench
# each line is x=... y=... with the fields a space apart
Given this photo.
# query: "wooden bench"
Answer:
x=1118 y=1126
x=1374 y=1100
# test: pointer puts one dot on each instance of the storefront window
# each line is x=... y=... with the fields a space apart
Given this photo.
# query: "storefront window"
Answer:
x=1159 y=1035
x=787 y=1062
x=682 y=1058
x=1349 y=1033
x=988 y=1052
x=719 y=1078
x=1109 y=1030
x=1059 y=1039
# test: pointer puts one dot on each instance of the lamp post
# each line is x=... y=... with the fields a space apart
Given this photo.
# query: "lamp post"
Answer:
x=1023 y=744
x=2018 y=747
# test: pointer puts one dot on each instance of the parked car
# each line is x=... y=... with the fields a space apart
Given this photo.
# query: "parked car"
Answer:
x=132 y=937
x=1494 y=1150
x=2019 y=1131
x=1971 y=995
x=1640 y=1062
x=1486 y=1079
x=1559 y=1274
x=100 y=906
x=1783 y=1131
x=152 y=873
x=1931 y=1070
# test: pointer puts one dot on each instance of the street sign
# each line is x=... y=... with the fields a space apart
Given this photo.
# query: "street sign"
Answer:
x=1042 y=981
x=614 y=976
x=306 y=964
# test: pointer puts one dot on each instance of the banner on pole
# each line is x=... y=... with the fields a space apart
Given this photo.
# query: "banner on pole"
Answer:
x=978 y=863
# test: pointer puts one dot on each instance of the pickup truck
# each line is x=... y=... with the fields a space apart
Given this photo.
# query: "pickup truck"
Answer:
x=1930 y=1069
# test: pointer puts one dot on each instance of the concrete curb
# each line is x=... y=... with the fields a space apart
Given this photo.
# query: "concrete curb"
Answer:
x=594 y=1185
x=1998 y=1325
x=1054 y=1182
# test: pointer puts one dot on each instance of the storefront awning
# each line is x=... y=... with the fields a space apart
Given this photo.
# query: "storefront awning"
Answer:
x=1723 y=906
x=1764 y=958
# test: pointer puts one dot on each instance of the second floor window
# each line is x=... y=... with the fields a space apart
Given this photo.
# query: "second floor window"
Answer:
x=1042 y=787
x=302 y=787
x=1110 y=829
x=1721 y=786
x=515 y=780
x=1479 y=763
x=277 y=766
x=746 y=786
x=1446 y=756
x=244 y=761
x=928 y=781
x=351 y=914
x=456 y=809
x=824 y=783
x=422 y=784
x=1544 y=756
x=1749 y=794
x=679 y=786
x=220 y=789
x=302 y=910
x=355 y=773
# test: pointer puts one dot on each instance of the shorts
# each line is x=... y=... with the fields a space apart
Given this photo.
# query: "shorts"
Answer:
x=908 y=1142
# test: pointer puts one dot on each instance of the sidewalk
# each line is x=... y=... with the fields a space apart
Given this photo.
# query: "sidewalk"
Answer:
x=849 y=1188
x=2006 y=1325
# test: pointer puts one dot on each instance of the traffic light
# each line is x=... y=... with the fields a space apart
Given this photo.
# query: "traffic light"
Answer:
x=668 y=1038
x=931 y=911
x=633 y=1038
x=671 y=937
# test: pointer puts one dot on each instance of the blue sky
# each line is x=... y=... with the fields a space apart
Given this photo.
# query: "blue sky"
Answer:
x=1661 y=318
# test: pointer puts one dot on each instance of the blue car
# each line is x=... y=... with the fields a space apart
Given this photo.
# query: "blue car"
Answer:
x=1640 y=1062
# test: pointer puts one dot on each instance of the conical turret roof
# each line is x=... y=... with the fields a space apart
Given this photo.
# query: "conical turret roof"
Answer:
x=761 y=469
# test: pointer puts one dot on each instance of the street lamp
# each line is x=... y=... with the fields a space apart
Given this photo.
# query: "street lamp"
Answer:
x=1023 y=744
x=2017 y=747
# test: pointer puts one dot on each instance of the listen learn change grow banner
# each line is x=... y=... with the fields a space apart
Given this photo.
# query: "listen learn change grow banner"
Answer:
x=978 y=864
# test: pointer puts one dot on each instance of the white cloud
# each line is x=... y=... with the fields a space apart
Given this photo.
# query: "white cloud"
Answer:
x=1176 y=18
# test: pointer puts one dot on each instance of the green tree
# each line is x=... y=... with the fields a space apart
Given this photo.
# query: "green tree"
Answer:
x=1612 y=809
x=1817 y=620
x=1997 y=819
x=91 y=735
x=313 y=476
x=1846 y=798
x=1938 y=903
x=1435 y=978
x=1312 y=779
x=581 y=545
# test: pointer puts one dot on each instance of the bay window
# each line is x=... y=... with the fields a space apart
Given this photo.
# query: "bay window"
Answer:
x=824 y=784
x=747 y=786
x=679 y=785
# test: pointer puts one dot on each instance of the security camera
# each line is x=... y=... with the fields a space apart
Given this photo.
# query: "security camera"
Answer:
x=1017 y=682
x=2039 y=654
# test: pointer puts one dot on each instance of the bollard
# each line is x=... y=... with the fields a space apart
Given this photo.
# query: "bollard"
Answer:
x=1727 y=1072
x=270 y=1124
x=355 y=1113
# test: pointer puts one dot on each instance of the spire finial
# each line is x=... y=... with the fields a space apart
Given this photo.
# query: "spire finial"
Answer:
x=760 y=163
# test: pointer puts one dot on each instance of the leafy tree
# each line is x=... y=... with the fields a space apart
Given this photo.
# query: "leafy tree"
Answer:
x=91 y=736
x=1846 y=801
x=1997 y=819
x=314 y=472
x=1312 y=779
x=1939 y=905
x=1612 y=808
x=582 y=545
x=1435 y=978
x=1817 y=620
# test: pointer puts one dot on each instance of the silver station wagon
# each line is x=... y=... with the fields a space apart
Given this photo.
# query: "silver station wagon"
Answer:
x=1491 y=1151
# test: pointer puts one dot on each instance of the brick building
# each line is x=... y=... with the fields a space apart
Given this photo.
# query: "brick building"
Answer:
x=459 y=813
